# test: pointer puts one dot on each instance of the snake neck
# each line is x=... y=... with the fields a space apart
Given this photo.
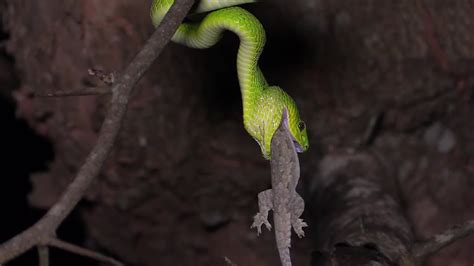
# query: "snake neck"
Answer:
x=209 y=31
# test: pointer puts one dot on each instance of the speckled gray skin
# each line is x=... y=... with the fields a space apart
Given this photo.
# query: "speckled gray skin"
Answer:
x=286 y=204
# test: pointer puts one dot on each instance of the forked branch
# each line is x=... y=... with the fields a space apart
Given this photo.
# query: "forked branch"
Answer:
x=45 y=229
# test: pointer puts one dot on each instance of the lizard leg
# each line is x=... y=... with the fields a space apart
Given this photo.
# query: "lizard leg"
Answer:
x=296 y=209
x=265 y=204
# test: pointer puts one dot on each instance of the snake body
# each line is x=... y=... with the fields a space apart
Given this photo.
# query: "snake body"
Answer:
x=264 y=106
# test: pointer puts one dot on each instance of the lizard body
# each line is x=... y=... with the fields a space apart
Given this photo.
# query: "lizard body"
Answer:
x=286 y=203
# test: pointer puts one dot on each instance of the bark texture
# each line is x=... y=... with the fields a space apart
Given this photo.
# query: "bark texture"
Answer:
x=183 y=177
x=356 y=217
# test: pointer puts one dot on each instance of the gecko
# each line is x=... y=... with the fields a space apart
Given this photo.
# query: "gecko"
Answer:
x=286 y=203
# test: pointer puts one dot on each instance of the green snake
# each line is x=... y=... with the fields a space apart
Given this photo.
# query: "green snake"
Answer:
x=264 y=106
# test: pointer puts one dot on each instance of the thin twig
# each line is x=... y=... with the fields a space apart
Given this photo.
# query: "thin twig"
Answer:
x=46 y=227
x=57 y=243
x=371 y=131
x=229 y=262
x=76 y=92
x=442 y=240
x=43 y=255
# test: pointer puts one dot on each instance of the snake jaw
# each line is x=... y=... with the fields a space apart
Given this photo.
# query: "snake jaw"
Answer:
x=286 y=119
x=265 y=152
x=298 y=147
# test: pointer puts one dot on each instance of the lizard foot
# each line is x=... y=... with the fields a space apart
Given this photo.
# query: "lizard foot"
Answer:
x=298 y=225
x=258 y=220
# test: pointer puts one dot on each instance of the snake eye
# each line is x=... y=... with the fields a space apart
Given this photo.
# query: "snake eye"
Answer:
x=301 y=125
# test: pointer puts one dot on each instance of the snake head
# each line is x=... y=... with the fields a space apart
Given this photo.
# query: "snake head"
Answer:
x=273 y=107
x=297 y=128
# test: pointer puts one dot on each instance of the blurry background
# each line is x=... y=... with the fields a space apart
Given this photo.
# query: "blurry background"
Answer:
x=180 y=187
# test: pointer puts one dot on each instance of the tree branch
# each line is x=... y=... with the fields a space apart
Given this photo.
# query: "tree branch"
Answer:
x=46 y=227
x=75 y=92
x=437 y=242
x=358 y=219
x=57 y=243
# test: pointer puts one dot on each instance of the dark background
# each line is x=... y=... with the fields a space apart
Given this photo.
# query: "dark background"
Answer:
x=180 y=185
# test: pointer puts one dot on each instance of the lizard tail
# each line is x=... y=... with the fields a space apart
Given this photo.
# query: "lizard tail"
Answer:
x=285 y=256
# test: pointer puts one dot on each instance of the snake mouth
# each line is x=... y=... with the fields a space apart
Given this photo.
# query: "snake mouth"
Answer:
x=298 y=147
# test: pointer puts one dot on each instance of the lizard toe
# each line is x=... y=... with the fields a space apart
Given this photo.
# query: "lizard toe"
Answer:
x=298 y=225
x=258 y=221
